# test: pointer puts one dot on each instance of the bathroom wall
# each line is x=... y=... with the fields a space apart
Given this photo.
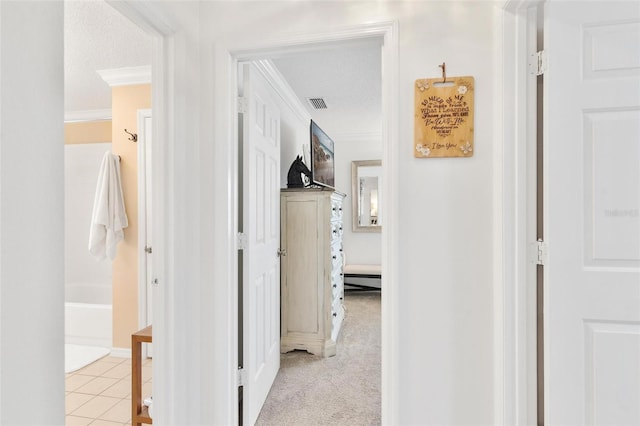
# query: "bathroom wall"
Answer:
x=126 y=101
x=87 y=132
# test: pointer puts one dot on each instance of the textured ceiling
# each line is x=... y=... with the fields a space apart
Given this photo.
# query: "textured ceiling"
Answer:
x=347 y=75
x=97 y=37
x=349 y=81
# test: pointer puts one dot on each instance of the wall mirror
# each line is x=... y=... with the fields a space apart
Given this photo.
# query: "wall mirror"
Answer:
x=365 y=195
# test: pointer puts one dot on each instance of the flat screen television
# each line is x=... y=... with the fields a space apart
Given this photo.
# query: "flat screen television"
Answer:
x=322 y=160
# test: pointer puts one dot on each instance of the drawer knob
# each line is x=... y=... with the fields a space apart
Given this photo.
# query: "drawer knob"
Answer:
x=334 y=256
x=335 y=314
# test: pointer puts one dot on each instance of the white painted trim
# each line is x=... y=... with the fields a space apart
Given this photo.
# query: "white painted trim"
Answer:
x=104 y=342
x=526 y=306
x=142 y=222
x=282 y=88
x=87 y=115
x=121 y=353
x=228 y=58
x=502 y=71
x=515 y=376
x=126 y=76
x=147 y=17
x=162 y=27
x=61 y=246
x=390 y=243
x=283 y=46
x=165 y=377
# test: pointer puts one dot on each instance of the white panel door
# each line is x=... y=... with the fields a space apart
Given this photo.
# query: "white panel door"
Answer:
x=261 y=221
x=592 y=213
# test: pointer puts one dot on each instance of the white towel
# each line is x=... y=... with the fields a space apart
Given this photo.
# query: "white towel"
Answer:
x=109 y=217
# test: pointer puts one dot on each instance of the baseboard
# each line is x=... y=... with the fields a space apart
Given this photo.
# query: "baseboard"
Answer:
x=359 y=281
x=121 y=352
x=88 y=340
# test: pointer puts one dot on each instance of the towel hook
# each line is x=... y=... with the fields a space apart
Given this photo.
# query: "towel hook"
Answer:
x=444 y=72
x=133 y=137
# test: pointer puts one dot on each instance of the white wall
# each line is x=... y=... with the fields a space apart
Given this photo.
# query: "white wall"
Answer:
x=445 y=229
x=31 y=213
x=359 y=247
x=294 y=134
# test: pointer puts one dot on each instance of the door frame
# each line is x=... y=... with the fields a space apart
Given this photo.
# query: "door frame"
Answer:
x=164 y=33
x=515 y=370
x=143 y=186
x=229 y=57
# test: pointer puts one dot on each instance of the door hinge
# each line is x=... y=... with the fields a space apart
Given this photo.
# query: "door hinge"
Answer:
x=538 y=63
x=241 y=241
x=539 y=252
x=148 y=250
x=242 y=376
x=243 y=105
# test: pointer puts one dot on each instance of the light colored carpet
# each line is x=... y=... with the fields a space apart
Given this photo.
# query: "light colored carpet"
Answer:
x=340 y=390
x=78 y=356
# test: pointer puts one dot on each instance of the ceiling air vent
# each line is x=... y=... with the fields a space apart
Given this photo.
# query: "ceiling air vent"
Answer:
x=317 y=103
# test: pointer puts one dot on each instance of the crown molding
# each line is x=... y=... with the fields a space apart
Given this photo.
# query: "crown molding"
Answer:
x=126 y=76
x=87 y=115
x=267 y=68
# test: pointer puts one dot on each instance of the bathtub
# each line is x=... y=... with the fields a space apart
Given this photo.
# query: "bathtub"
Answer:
x=88 y=314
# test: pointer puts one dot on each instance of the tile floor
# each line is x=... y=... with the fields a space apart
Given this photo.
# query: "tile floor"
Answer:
x=100 y=393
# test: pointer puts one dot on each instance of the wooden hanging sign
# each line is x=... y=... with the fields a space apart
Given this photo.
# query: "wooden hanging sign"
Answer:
x=443 y=125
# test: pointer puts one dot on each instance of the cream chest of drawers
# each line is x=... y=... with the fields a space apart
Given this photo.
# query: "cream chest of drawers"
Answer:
x=312 y=289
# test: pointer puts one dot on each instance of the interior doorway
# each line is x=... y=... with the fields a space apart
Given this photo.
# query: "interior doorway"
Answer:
x=242 y=177
x=168 y=70
x=131 y=63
